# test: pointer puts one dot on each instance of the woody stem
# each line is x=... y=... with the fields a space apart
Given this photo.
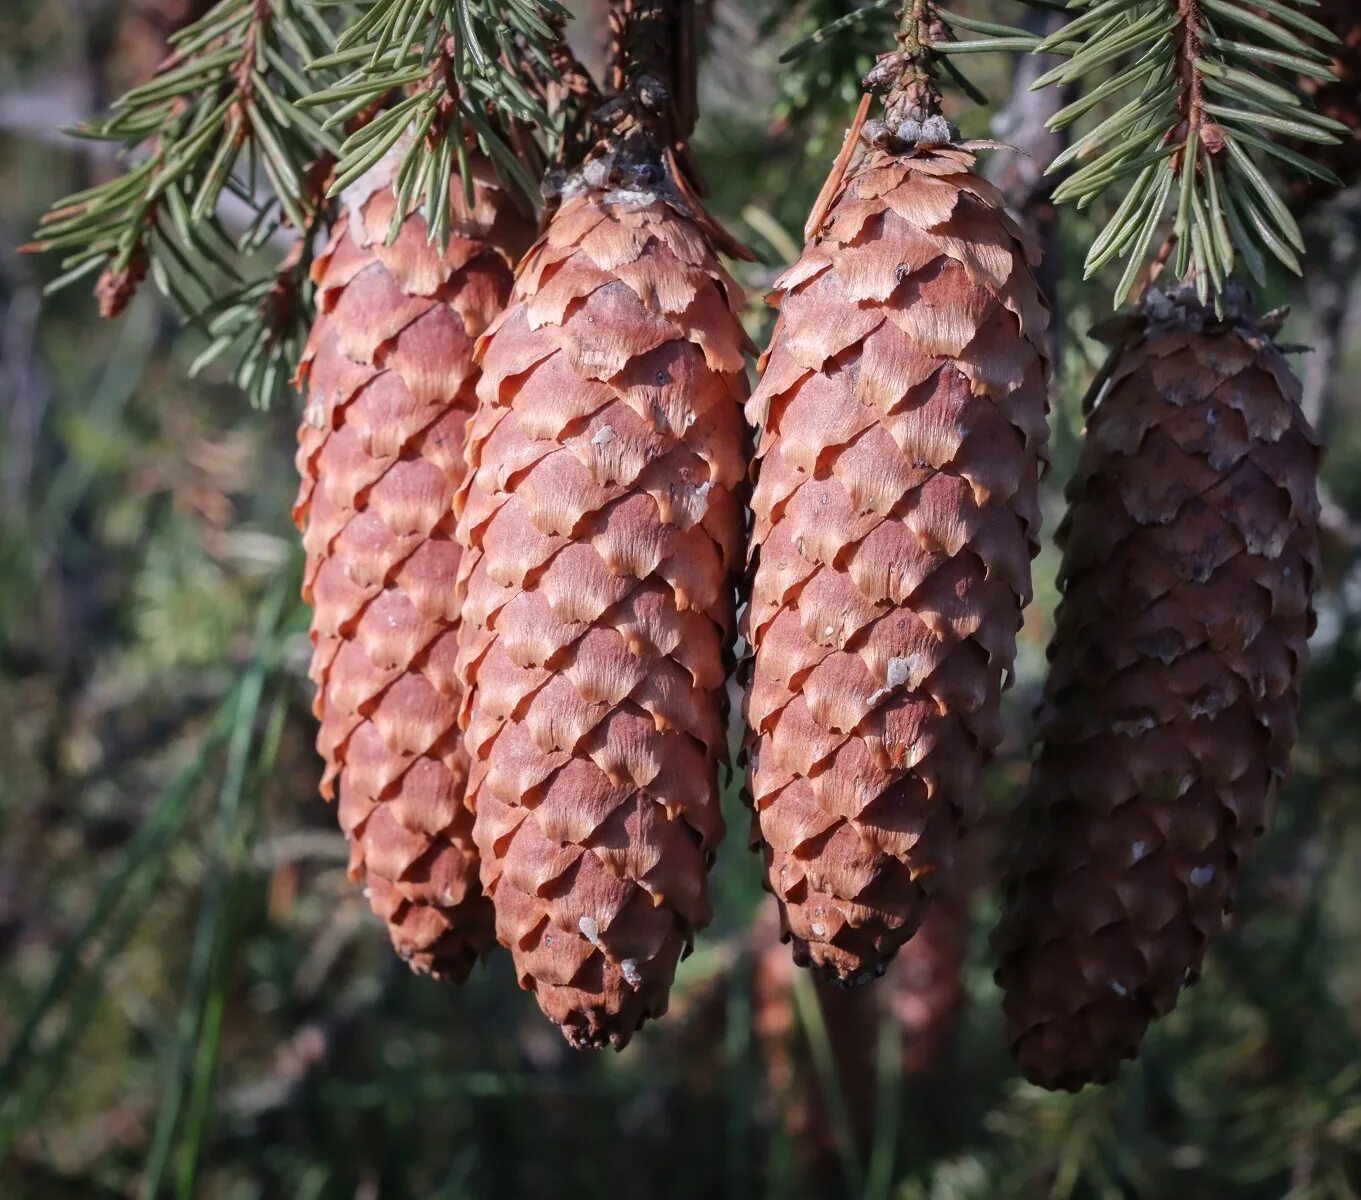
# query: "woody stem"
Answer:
x=915 y=95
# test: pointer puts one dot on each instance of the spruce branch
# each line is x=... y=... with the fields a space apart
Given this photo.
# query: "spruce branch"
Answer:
x=260 y=325
x=652 y=76
x=467 y=67
x=222 y=111
x=831 y=48
x=227 y=92
x=1188 y=98
x=248 y=104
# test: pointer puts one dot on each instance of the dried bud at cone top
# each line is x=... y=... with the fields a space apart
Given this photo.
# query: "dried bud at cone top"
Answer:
x=1190 y=550
x=390 y=381
x=902 y=408
x=602 y=528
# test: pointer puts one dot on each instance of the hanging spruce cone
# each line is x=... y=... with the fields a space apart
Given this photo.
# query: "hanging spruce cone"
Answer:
x=902 y=407
x=1190 y=549
x=390 y=382
x=601 y=529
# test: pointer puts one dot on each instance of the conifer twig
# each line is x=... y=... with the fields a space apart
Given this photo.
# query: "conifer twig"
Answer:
x=250 y=91
x=823 y=204
x=1189 y=99
x=225 y=91
x=466 y=67
x=222 y=110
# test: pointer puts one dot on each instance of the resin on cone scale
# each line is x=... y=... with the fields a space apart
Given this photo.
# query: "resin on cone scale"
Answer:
x=1190 y=549
x=389 y=378
x=602 y=527
x=902 y=412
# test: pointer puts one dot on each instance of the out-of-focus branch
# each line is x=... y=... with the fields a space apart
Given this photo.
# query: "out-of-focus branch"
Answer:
x=143 y=36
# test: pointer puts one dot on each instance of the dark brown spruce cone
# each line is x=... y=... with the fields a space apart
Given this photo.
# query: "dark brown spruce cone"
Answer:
x=390 y=382
x=1190 y=549
x=902 y=407
x=602 y=529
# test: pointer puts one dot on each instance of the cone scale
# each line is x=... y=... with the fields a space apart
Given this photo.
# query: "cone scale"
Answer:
x=389 y=378
x=602 y=526
x=1190 y=549
x=902 y=413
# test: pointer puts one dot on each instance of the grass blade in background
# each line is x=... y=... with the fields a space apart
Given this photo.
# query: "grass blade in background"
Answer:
x=199 y=1024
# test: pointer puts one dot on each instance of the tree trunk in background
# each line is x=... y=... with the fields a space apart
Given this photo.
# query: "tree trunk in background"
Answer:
x=1333 y=227
x=589 y=34
x=1335 y=250
x=1340 y=100
x=1020 y=173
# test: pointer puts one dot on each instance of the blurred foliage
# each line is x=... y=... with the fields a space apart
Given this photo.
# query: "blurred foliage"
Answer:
x=195 y=1002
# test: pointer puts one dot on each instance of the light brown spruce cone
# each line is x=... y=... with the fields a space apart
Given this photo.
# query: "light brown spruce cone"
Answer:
x=390 y=378
x=602 y=527
x=1190 y=549
x=902 y=407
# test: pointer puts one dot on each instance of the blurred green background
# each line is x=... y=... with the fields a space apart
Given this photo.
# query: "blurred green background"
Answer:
x=193 y=999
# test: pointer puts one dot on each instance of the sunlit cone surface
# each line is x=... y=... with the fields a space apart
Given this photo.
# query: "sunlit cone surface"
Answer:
x=1189 y=555
x=390 y=383
x=902 y=409
x=601 y=526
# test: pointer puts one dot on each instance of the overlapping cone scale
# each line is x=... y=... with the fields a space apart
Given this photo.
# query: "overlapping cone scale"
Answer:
x=602 y=525
x=389 y=379
x=902 y=408
x=1190 y=549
